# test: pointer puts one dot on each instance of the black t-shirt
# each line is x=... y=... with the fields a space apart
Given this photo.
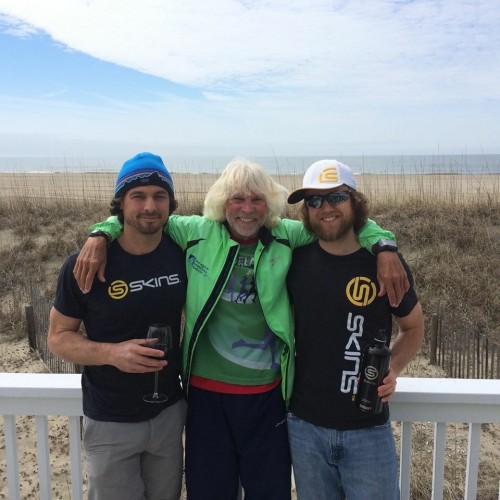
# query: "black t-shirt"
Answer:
x=337 y=314
x=139 y=290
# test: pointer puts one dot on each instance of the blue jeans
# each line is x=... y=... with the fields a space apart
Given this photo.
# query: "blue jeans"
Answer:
x=334 y=465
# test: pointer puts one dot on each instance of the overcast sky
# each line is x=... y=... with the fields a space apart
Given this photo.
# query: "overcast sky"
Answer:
x=291 y=77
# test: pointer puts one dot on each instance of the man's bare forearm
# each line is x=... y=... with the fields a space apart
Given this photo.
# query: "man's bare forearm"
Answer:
x=408 y=340
x=76 y=348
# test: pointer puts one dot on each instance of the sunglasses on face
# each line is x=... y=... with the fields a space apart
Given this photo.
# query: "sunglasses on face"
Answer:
x=317 y=200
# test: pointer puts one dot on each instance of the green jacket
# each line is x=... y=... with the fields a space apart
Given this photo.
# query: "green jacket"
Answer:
x=210 y=257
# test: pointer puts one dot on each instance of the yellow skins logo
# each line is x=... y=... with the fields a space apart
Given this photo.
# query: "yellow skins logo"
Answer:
x=118 y=289
x=361 y=291
x=328 y=174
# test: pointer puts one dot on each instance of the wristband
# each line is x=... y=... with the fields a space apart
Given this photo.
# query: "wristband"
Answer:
x=105 y=235
x=384 y=245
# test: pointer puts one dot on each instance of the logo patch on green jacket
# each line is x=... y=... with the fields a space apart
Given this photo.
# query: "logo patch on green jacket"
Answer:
x=198 y=266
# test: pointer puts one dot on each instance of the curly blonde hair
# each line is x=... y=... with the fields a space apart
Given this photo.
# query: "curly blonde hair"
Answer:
x=245 y=177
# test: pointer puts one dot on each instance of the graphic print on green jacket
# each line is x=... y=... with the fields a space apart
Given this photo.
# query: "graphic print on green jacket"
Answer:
x=238 y=347
x=210 y=258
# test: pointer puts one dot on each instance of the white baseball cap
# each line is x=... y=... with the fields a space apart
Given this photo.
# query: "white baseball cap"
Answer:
x=324 y=174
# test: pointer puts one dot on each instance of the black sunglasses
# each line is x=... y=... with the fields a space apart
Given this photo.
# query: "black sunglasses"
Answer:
x=317 y=200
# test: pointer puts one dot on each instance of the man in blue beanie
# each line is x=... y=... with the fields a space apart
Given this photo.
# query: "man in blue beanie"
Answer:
x=134 y=447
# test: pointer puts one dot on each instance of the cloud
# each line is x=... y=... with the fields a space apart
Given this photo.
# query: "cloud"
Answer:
x=315 y=76
x=350 y=50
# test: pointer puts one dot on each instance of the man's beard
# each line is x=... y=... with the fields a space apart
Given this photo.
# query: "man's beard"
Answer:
x=145 y=227
x=331 y=233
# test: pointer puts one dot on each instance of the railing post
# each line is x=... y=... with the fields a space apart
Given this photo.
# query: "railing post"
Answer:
x=43 y=452
x=405 y=460
x=472 y=461
x=439 y=458
x=9 y=422
x=74 y=430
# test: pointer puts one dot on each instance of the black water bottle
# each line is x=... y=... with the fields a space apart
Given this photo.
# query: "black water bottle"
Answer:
x=374 y=368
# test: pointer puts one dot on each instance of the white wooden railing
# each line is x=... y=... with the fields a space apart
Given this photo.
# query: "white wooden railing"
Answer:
x=437 y=400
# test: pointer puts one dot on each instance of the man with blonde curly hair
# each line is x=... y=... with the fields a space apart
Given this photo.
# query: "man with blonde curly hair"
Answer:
x=238 y=345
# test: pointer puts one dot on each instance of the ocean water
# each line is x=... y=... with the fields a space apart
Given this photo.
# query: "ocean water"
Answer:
x=388 y=164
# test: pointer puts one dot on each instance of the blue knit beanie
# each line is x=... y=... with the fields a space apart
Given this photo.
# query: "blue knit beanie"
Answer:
x=142 y=170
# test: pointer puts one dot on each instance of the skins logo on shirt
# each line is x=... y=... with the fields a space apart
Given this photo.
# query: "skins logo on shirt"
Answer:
x=352 y=353
x=119 y=288
x=361 y=291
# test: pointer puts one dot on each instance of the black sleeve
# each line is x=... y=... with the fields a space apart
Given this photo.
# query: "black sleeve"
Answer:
x=69 y=300
x=410 y=298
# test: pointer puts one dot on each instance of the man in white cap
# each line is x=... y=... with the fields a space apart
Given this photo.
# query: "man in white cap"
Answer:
x=133 y=447
x=339 y=451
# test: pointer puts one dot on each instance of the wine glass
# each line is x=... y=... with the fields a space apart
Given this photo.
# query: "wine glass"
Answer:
x=163 y=341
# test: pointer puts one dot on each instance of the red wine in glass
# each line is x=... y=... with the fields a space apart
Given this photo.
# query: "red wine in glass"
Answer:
x=163 y=341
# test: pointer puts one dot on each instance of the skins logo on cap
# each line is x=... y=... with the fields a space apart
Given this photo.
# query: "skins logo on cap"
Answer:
x=328 y=174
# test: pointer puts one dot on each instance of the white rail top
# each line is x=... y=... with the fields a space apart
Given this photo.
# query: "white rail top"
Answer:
x=416 y=399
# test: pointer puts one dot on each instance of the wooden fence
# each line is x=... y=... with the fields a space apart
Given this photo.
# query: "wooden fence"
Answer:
x=37 y=318
x=464 y=352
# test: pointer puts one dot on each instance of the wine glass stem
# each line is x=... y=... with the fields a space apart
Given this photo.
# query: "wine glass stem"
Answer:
x=155 y=392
